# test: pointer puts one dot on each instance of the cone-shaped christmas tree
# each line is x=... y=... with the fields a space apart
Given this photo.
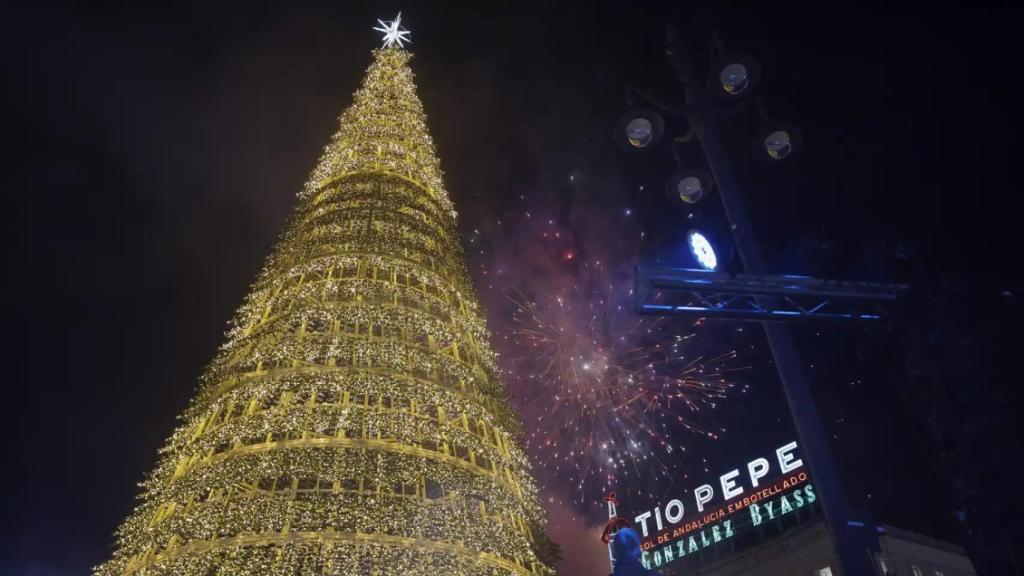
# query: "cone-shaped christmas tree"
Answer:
x=354 y=421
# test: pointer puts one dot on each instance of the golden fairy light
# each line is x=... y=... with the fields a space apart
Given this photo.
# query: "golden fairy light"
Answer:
x=354 y=421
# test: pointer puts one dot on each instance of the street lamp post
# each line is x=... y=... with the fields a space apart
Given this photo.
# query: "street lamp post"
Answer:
x=854 y=540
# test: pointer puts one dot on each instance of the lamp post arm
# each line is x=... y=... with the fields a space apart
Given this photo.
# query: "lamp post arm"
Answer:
x=655 y=101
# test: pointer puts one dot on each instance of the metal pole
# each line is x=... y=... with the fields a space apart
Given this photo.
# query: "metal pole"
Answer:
x=612 y=514
x=853 y=542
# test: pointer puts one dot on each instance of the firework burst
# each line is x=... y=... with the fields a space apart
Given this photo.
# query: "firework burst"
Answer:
x=609 y=400
x=608 y=395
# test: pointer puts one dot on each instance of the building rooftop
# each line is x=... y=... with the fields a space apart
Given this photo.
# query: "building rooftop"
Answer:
x=893 y=532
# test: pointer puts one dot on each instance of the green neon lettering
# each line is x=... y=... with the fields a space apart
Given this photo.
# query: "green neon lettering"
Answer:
x=798 y=497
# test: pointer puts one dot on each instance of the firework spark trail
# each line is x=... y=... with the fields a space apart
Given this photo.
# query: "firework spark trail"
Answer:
x=609 y=400
x=608 y=392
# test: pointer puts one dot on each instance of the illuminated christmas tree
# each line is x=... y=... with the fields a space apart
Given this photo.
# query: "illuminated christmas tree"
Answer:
x=354 y=421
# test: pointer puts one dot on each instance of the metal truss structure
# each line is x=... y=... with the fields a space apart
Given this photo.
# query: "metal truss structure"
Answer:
x=744 y=297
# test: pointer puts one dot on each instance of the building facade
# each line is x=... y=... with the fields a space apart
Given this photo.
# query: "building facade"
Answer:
x=905 y=553
x=806 y=550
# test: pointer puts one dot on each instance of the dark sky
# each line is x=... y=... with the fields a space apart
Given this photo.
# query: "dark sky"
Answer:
x=157 y=150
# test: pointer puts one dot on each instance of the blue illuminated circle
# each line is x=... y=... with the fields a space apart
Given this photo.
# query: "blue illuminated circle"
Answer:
x=702 y=250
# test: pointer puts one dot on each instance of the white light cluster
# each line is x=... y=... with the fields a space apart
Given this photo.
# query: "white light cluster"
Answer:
x=393 y=32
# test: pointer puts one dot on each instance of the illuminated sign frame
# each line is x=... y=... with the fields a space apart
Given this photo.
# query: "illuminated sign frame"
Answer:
x=668 y=534
x=757 y=469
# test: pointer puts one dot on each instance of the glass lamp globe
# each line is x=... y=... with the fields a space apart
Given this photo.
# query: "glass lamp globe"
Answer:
x=778 y=144
x=735 y=78
x=690 y=189
x=639 y=132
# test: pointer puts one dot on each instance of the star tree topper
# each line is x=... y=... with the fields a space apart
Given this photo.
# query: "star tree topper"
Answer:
x=393 y=32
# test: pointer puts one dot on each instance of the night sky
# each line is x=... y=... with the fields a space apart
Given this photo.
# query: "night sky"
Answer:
x=157 y=151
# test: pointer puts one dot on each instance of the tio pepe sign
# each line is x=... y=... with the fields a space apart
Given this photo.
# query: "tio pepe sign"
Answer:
x=730 y=485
